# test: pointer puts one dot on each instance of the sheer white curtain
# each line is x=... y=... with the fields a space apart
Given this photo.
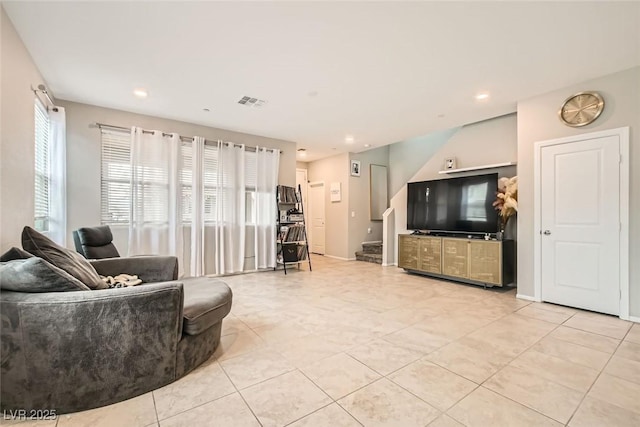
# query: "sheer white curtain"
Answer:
x=267 y=162
x=197 y=208
x=228 y=218
x=58 y=183
x=155 y=225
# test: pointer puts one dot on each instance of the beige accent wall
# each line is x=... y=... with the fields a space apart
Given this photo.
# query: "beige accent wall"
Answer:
x=302 y=165
x=83 y=156
x=359 y=199
x=483 y=143
x=328 y=170
x=538 y=121
x=18 y=73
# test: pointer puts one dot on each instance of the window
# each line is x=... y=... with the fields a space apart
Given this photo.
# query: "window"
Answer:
x=42 y=211
x=186 y=172
x=116 y=175
x=250 y=182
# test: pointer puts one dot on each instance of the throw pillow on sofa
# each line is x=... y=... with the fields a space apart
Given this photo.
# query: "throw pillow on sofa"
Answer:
x=36 y=275
x=14 y=253
x=63 y=258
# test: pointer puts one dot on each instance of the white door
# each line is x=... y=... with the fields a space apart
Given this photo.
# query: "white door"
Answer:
x=316 y=213
x=580 y=224
x=301 y=180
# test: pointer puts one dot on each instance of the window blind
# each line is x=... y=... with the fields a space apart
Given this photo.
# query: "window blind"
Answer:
x=250 y=182
x=210 y=170
x=115 y=185
x=186 y=173
x=42 y=168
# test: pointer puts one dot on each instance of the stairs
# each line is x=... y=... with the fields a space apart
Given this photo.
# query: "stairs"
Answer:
x=371 y=252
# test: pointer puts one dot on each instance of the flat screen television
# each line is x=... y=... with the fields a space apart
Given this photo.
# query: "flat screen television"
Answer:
x=454 y=205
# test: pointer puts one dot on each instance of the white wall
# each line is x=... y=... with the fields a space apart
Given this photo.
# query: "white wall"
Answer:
x=538 y=121
x=83 y=157
x=17 y=74
x=487 y=142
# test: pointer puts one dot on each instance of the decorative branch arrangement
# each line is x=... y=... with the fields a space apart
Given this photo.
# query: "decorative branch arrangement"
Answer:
x=506 y=199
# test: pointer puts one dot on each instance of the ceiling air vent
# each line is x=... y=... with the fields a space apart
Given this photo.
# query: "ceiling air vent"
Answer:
x=252 y=102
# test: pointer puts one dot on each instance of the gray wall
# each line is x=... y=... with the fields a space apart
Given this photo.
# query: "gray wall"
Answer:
x=83 y=156
x=359 y=199
x=328 y=170
x=345 y=233
x=538 y=121
x=412 y=154
x=483 y=143
x=17 y=73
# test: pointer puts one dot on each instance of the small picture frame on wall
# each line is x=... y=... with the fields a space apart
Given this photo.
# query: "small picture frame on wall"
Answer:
x=450 y=163
x=355 y=167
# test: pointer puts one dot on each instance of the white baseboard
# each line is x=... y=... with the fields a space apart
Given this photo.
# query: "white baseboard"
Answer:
x=526 y=297
x=634 y=319
x=339 y=257
x=391 y=264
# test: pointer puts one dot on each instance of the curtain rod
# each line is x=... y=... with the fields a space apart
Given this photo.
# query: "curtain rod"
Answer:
x=42 y=89
x=182 y=138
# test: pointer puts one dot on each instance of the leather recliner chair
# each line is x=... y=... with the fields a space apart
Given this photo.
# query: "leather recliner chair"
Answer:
x=95 y=242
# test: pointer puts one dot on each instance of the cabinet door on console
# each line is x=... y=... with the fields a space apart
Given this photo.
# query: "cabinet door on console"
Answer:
x=430 y=254
x=408 y=247
x=455 y=257
x=485 y=263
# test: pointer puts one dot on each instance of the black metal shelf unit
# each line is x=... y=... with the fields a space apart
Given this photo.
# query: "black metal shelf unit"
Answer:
x=292 y=242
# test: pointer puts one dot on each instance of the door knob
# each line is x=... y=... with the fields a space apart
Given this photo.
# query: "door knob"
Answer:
x=546 y=232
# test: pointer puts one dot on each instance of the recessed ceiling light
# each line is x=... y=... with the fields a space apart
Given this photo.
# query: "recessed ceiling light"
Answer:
x=482 y=96
x=367 y=145
x=303 y=154
x=140 y=93
x=349 y=139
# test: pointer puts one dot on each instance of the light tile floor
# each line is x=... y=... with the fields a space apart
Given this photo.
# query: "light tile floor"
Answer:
x=354 y=344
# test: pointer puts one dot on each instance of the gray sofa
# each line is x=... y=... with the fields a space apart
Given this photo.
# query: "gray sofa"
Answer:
x=72 y=351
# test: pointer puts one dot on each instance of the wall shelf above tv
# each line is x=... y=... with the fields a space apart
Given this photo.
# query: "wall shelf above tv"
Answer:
x=477 y=168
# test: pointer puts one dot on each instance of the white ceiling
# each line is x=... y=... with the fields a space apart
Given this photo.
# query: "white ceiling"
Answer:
x=383 y=71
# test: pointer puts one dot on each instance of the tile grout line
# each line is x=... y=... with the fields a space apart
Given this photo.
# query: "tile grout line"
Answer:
x=239 y=394
x=155 y=407
x=480 y=385
x=597 y=378
x=528 y=348
x=518 y=355
x=332 y=400
x=199 y=405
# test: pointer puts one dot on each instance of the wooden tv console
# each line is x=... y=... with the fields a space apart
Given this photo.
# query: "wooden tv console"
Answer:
x=481 y=262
